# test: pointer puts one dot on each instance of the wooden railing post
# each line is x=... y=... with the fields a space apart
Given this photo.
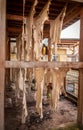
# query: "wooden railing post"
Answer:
x=2 y=59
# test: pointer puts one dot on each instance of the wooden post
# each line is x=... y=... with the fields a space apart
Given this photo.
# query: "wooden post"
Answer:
x=2 y=59
x=7 y=72
x=49 y=49
x=80 y=90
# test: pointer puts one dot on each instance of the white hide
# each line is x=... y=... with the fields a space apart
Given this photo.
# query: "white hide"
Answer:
x=38 y=29
x=56 y=27
x=48 y=77
x=22 y=87
x=58 y=79
x=24 y=106
x=39 y=93
x=29 y=26
x=20 y=80
x=19 y=47
x=55 y=91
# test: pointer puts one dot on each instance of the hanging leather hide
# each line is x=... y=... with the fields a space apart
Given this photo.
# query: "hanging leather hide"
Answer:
x=38 y=29
x=29 y=25
x=56 y=27
x=39 y=73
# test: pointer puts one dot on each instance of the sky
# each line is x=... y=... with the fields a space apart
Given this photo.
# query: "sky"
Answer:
x=73 y=31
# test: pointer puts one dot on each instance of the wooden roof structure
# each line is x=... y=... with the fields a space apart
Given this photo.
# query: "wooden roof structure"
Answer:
x=15 y=13
x=12 y=11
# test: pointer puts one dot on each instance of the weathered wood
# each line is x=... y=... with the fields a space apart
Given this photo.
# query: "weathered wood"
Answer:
x=2 y=83
x=20 y=18
x=38 y=64
x=71 y=16
x=14 y=17
x=81 y=1
x=14 y=29
x=2 y=58
x=80 y=98
x=49 y=49
x=80 y=90
x=7 y=72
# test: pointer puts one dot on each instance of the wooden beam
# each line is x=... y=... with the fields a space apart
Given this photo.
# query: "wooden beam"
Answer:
x=81 y=1
x=20 y=18
x=14 y=29
x=14 y=17
x=69 y=42
x=36 y=64
x=2 y=58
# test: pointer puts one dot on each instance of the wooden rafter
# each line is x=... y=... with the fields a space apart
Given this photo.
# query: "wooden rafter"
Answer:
x=14 y=17
x=71 y=16
x=13 y=30
x=14 y=12
x=81 y=1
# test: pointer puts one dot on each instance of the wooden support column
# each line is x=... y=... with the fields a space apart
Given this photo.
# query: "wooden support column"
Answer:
x=7 y=72
x=2 y=58
x=49 y=49
x=80 y=95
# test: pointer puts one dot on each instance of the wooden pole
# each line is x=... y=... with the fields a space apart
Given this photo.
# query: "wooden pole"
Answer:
x=80 y=90
x=49 y=49
x=7 y=72
x=2 y=59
